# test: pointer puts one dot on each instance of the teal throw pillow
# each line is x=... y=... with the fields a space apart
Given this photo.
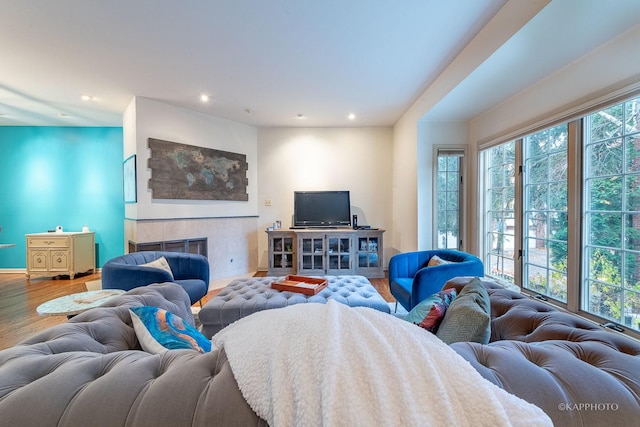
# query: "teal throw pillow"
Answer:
x=468 y=318
x=159 y=330
x=429 y=313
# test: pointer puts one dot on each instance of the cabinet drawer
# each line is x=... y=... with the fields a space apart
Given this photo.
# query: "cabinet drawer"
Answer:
x=48 y=242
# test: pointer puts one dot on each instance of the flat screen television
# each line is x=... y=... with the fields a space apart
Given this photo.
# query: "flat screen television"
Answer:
x=321 y=209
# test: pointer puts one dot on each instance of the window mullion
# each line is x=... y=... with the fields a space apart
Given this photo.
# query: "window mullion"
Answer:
x=461 y=192
x=518 y=213
x=574 y=214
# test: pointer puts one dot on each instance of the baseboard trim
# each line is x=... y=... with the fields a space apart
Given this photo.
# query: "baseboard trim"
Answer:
x=13 y=270
x=24 y=270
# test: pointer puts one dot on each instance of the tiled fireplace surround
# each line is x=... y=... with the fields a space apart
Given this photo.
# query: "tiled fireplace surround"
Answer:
x=232 y=242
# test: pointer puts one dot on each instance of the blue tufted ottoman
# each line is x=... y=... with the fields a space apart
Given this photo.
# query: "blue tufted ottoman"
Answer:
x=243 y=297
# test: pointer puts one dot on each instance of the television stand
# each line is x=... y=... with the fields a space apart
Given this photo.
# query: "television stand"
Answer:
x=326 y=251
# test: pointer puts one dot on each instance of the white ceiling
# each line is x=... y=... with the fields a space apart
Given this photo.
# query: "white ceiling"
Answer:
x=560 y=34
x=277 y=58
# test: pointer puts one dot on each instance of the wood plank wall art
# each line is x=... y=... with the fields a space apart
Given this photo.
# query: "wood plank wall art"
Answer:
x=180 y=171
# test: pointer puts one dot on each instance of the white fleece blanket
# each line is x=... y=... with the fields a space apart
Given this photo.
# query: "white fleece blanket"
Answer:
x=332 y=365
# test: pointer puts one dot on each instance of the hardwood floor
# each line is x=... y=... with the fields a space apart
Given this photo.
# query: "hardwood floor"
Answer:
x=382 y=286
x=20 y=297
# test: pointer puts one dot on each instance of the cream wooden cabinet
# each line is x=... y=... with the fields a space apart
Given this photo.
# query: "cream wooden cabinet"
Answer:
x=54 y=254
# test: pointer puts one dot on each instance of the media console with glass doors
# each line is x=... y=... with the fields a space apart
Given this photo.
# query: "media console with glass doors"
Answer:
x=326 y=252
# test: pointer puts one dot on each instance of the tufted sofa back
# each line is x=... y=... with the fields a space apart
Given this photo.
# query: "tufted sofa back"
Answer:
x=579 y=373
x=91 y=371
x=108 y=328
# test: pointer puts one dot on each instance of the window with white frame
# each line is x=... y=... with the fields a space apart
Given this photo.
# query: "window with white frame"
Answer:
x=545 y=226
x=611 y=229
x=500 y=216
x=449 y=198
x=526 y=232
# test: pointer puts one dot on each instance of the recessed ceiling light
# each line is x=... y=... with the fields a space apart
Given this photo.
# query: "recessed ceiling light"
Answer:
x=86 y=97
x=204 y=97
x=351 y=116
x=300 y=116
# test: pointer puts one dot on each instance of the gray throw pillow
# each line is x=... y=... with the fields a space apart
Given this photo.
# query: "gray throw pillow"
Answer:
x=468 y=318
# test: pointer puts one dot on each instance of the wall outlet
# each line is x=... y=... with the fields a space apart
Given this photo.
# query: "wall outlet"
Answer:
x=267 y=202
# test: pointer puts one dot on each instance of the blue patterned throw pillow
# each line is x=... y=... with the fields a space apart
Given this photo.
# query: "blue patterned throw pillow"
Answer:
x=429 y=313
x=159 y=330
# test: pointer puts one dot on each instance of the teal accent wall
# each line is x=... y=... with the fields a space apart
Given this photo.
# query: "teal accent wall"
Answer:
x=68 y=176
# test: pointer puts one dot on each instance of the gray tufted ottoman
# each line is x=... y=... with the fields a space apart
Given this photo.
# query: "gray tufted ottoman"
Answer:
x=243 y=297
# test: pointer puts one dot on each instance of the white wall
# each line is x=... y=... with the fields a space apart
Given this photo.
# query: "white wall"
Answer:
x=404 y=228
x=229 y=226
x=129 y=149
x=433 y=135
x=155 y=119
x=354 y=159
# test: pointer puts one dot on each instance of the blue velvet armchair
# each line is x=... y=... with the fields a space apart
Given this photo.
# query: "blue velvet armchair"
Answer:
x=411 y=281
x=191 y=271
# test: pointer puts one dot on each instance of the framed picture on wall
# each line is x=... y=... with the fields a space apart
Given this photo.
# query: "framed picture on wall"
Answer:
x=129 y=179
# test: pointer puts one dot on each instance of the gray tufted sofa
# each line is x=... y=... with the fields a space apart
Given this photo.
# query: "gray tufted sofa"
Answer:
x=243 y=297
x=90 y=371
x=579 y=373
